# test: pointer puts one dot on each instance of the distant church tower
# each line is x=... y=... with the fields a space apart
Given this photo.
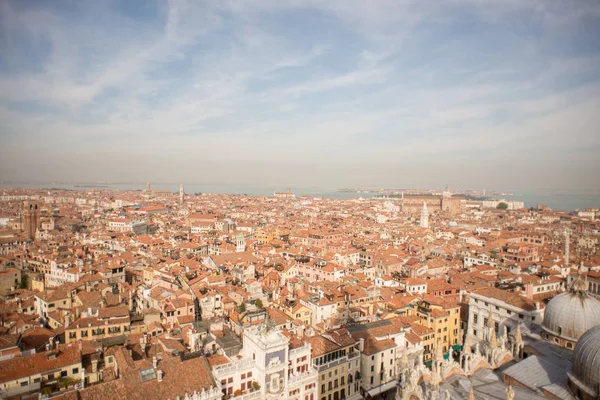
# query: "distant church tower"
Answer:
x=240 y=242
x=181 y=194
x=424 y=216
x=30 y=218
x=148 y=186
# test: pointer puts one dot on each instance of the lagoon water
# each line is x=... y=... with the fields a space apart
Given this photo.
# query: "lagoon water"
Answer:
x=557 y=200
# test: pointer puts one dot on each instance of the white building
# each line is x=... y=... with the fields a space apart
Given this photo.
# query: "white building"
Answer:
x=424 y=222
x=414 y=285
x=282 y=368
x=507 y=310
x=481 y=259
x=128 y=225
x=512 y=205
x=61 y=273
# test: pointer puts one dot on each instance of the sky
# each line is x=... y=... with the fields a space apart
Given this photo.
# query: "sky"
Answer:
x=339 y=93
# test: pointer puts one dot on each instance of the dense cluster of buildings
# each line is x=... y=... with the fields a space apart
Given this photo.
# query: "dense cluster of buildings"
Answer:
x=152 y=294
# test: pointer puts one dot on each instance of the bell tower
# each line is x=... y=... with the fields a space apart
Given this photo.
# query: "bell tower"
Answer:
x=424 y=223
x=30 y=218
x=240 y=242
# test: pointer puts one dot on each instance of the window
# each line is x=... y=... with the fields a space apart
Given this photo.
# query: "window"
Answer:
x=25 y=383
x=75 y=371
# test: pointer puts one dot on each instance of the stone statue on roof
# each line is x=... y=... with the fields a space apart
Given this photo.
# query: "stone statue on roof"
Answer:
x=510 y=393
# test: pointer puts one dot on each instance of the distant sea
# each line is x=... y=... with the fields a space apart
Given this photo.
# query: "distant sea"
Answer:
x=557 y=200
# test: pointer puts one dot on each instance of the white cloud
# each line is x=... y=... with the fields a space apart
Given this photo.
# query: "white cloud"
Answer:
x=213 y=78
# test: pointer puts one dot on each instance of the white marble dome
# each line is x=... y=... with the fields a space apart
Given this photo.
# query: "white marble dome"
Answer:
x=569 y=315
x=586 y=360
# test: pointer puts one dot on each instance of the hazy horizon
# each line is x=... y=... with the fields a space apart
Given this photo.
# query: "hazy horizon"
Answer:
x=385 y=94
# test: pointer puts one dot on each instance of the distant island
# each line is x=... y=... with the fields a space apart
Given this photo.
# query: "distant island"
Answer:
x=90 y=186
x=469 y=193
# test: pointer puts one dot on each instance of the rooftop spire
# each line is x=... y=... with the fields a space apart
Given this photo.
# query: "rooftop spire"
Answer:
x=471 y=394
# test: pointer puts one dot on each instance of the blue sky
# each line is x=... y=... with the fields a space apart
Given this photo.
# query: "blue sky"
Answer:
x=470 y=93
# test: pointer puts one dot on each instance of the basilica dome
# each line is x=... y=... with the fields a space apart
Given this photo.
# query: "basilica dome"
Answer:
x=569 y=315
x=585 y=374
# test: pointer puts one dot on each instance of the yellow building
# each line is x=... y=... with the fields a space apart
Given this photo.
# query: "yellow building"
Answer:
x=443 y=318
x=338 y=363
x=110 y=322
x=266 y=235
x=425 y=334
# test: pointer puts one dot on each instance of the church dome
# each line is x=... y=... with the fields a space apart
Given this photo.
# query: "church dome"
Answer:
x=569 y=315
x=586 y=360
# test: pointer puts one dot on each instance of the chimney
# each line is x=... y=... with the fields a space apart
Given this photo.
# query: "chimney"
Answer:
x=94 y=365
x=159 y=375
x=361 y=344
x=51 y=343
x=154 y=362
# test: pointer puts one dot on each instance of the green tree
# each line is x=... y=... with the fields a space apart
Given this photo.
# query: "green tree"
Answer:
x=24 y=282
x=242 y=308
x=259 y=303
x=502 y=206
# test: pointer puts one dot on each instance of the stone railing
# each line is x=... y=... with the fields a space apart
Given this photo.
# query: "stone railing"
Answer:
x=236 y=366
x=299 y=378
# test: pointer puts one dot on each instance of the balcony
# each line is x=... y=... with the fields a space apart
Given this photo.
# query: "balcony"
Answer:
x=298 y=379
x=342 y=360
x=248 y=396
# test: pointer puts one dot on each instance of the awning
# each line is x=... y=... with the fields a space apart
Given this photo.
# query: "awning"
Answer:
x=383 y=388
x=457 y=347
